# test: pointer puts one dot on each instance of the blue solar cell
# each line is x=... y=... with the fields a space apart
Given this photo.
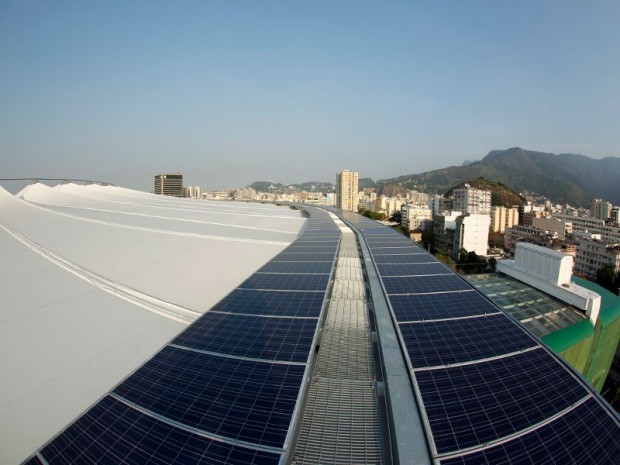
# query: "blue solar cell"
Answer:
x=445 y=342
x=388 y=241
x=297 y=267
x=473 y=404
x=413 y=269
x=584 y=436
x=282 y=303
x=377 y=251
x=417 y=257
x=239 y=399
x=113 y=433
x=305 y=257
x=312 y=248
x=288 y=282
x=435 y=306
x=283 y=339
x=318 y=240
x=425 y=284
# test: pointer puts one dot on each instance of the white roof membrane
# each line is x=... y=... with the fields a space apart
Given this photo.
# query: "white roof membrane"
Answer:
x=87 y=297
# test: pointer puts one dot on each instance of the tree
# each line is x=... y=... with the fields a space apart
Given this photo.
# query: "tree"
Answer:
x=606 y=277
x=372 y=215
x=428 y=241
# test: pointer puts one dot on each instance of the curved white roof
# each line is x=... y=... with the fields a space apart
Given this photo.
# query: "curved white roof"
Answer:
x=95 y=279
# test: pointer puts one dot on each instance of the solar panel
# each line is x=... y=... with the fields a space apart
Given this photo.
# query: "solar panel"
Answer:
x=312 y=248
x=318 y=240
x=375 y=242
x=435 y=306
x=284 y=339
x=239 y=399
x=470 y=405
x=306 y=257
x=445 y=342
x=113 y=433
x=289 y=282
x=284 y=303
x=297 y=267
x=412 y=269
x=424 y=284
x=418 y=257
x=583 y=436
x=378 y=251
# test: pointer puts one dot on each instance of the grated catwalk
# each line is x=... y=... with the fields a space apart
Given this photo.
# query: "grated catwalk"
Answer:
x=340 y=424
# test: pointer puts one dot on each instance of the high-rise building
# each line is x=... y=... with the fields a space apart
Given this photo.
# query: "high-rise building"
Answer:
x=169 y=184
x=503 y=218
x=347 y=195
x=600 y=209
x=471 y=200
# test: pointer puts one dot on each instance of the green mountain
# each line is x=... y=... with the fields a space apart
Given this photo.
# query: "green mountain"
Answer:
x=563 y=178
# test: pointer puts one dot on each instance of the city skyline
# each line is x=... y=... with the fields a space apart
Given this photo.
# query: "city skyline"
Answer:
x=232 y=94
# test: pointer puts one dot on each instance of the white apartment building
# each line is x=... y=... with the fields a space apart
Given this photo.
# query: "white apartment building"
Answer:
x=415 y=217
x=592 y=255
x=472 y=234
x=418 y=198
x=503 y=218
x=438 y=204
x=471 y=200
x=600 y=209
x=192 y=192
x=347 y=190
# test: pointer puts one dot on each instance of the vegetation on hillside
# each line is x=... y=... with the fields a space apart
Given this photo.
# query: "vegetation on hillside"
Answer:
x=501 y=194
x=564 y=178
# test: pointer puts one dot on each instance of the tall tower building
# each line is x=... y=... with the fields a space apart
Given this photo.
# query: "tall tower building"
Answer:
x=600 y=209
x=169 y=184
x=347 y=190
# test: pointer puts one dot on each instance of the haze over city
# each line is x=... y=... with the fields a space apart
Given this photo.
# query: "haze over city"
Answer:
x=232 y=92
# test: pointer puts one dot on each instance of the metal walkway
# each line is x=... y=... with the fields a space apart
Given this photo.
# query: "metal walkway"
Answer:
x=341 y=423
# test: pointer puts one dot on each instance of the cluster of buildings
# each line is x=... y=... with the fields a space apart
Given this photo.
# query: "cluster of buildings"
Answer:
x=464 y=220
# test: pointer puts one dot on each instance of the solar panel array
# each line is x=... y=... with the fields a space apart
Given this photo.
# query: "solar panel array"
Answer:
x=488 y=391
x=225 y=390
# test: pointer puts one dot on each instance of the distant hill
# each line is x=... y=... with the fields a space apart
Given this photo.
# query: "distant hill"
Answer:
x=564 y=178
x=365 y=183
x=501 y=195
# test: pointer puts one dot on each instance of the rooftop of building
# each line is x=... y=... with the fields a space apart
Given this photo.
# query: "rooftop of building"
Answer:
x=540 y=313
x=143 y=329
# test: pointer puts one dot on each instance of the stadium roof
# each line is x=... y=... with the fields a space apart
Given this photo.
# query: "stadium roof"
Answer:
x=114 y=358
x=97 y=279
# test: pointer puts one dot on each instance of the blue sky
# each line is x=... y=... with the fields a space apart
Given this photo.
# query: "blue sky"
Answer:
x=229 y=92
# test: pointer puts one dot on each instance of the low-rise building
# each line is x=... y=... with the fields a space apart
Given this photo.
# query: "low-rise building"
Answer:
x=593 y=254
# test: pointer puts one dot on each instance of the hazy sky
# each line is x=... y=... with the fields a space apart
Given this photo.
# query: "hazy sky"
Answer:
x=228 y=92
